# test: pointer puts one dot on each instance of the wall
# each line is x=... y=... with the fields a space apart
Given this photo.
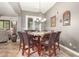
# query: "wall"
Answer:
x=19 y=27
x=70 y=34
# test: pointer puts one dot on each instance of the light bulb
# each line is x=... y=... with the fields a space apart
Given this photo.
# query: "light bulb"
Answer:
x=39 y=18
x=43 y=20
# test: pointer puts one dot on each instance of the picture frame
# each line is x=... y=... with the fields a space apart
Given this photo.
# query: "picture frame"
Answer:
x=66 y=18
x=53 y=21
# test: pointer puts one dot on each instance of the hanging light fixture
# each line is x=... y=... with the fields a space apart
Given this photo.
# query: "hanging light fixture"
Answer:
x=41 y=19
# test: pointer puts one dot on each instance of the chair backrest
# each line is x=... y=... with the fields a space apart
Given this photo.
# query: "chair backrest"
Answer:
x=26 y=30
x=30 y=37
x=20 y=36
x=52 y=38
x=26 y=38
x=57 y=36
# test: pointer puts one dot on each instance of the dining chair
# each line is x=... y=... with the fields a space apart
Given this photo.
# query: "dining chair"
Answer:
x=28 y=44
x=21 y=40
x=36 y=42
x=57 y=39
x=49 y=45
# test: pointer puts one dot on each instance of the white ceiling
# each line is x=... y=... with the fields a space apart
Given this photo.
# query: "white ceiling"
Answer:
x=37 y=5
x=10 y=9
x=6 y=9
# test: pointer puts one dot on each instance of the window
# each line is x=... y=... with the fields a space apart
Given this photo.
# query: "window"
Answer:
x=4 y=24
x=1 y=24
x=30 y=23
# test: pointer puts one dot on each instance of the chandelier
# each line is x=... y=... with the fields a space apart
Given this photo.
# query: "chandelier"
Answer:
x=41 y=19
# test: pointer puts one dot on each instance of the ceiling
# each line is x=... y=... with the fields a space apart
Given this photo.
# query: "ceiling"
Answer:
x=6 y=9
x=37 y=6
x=15 y=8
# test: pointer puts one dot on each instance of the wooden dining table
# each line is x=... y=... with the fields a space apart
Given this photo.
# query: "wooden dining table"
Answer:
x=39 y=36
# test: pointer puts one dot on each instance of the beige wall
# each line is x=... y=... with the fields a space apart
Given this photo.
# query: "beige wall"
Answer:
x=70 y=34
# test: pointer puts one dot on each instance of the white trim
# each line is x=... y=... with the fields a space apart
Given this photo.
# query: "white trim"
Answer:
x=74 y=52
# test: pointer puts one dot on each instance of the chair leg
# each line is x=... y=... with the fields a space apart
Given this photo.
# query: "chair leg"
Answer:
x=42 y=49
x=54 y=50
x=58 y=46
x=39 y=50
x=28 y=52
x=23 y=49
x=33 y=47
x=49 y=52
x=23 y=52
x=20 y=46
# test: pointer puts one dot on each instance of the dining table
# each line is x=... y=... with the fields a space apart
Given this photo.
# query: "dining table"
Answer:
x=39 y=36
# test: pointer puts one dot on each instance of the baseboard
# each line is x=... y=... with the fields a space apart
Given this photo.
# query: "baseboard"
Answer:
x=70 y=52
x=3 y=42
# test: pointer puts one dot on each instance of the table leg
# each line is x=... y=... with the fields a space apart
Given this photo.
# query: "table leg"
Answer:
x=39 y=46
